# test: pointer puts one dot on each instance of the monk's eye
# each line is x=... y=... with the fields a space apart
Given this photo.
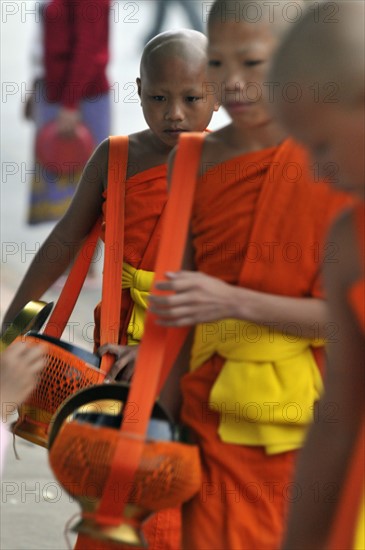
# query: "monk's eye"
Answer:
x=214 y=63
x=158 y=98
x=192 y=98
x=253 y=62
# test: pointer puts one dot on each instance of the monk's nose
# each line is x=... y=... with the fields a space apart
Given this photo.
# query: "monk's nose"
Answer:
x=233 y=87
x=174 y=111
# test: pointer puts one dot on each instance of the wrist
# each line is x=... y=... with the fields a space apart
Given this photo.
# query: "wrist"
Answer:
x=237 y=302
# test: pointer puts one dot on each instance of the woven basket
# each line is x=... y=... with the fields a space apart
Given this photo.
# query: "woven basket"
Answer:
x=68 y=369
x=81 y=453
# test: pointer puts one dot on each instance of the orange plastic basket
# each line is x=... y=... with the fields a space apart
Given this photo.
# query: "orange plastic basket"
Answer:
x=81 y=453
x=68 y=369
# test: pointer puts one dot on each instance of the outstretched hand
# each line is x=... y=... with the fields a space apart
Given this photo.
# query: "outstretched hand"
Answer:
x=197 y=298
x=123 y=367
x=21 y=365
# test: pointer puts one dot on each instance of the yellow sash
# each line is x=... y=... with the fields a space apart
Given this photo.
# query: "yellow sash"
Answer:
x=265 y=391
x=360 y=529
x=139 y=283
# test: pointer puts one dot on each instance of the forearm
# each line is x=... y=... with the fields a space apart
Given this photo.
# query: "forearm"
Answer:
x=301 y=317
x=52 y=259
x=321 y=474
x=200 y=298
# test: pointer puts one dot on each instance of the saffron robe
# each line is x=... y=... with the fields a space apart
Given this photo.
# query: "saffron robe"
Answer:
x=258 y=221
x=145 y=199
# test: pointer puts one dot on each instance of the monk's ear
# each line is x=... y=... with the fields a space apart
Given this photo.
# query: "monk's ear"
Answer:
x=139 y=86
x=216 y=106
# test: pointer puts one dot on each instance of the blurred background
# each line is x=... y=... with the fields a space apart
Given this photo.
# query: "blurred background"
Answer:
x=130 y=25
x=34 y=508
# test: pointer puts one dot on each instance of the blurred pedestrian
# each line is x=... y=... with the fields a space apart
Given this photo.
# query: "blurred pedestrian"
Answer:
x=162 y=8
x=70 y=87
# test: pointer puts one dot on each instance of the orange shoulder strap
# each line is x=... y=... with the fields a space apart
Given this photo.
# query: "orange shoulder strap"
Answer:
x=73 y=285
x=114 y=246
x=113 y=260
x=149 y=365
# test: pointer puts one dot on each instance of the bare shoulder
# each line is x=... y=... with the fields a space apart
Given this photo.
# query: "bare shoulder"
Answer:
x=215 y=148
x=97 y=166
x=102 y=151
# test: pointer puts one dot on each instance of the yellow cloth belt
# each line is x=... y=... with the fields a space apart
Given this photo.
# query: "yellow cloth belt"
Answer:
x=265 y=391
x=139 y=283
x=360 y=529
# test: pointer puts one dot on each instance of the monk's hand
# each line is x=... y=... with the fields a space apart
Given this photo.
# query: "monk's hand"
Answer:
x=197 y=298
x=122 y=369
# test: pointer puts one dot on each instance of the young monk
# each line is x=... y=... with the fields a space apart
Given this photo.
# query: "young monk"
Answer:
x=257 y=225
x=334 y=132
x=175 y=99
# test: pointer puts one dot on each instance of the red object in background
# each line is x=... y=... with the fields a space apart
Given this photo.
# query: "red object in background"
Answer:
x=66 y=153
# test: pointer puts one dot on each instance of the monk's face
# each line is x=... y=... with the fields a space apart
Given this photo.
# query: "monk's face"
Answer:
x=176 y=98
x=238 y=58
x=334 y=134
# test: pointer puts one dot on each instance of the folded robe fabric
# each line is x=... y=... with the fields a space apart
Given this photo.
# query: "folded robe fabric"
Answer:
x=259 y=221
x=266 y=388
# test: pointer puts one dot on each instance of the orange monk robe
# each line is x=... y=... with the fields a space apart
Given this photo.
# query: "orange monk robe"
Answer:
x=258 y=221
x=145 y=199
x=146 y=196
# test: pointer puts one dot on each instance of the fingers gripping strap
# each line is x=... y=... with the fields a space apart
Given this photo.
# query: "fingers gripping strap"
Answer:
x=72 y=288
x=152 y=350
x=114 y=245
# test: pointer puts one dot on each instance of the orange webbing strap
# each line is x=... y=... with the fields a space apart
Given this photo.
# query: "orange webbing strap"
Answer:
x=149 y=363
x=114 y=245
x=348 y=510
x=73 y=285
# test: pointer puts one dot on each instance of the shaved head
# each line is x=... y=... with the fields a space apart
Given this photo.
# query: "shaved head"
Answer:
x=186 y=44
x=325 y=48
x=322 y=60
x=277 y=15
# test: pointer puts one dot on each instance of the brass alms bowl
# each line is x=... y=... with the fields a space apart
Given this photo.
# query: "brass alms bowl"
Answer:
x=81 y=453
